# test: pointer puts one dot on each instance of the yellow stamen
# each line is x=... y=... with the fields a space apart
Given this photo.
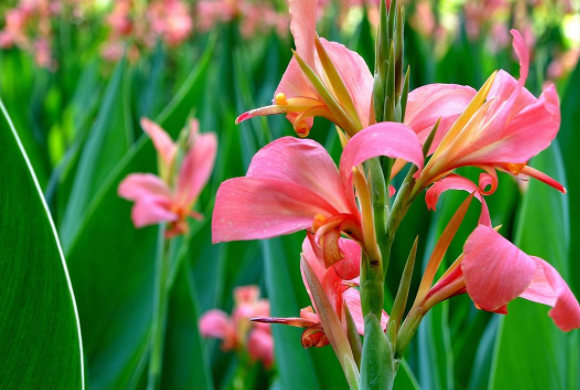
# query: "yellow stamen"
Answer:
x=281 y=99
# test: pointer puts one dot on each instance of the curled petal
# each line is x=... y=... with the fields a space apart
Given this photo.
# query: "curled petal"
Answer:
x=488 y=179
x=550 y=289
x=523 y=54
x=456 y=182
x=495 y=270
x=161 y=140
x=314 y=336
x=139 y=185
x=247 y=209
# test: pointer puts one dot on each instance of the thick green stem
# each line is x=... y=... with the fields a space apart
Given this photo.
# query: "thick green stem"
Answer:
x=372 y=292
x=162 y=271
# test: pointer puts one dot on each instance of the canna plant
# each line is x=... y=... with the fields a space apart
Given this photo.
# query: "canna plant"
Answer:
x=168 y=199
x=351 y=214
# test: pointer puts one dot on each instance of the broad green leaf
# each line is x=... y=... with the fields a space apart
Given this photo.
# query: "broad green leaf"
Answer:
x=18 y=80
x=40 y=339
x=185 y=364
x=528 y=342
x=569 y=141
x=107 y=142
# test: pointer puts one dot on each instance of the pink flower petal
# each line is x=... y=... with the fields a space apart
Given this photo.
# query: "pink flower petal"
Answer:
x=247 y=209
x=305 y=163
x=495 y=270
x=355 y=75
x=550 y=289
x=303 y=27
x=196 y=168
x=216 y=324
x=456 y=182
x=390 y=139
x=139 y=185
x=152 y=210
x=427 y=104
x=163 y=143
x=349 y=267
x=261 y=346
x=352 y=299
x=523 y=54
x=527 y=133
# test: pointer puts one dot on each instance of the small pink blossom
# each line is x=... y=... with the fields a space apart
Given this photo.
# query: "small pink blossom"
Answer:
x=237 y=332
x=170 y=198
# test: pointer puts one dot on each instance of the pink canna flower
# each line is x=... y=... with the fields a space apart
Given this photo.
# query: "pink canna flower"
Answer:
x=170 y=198
x=238 y=332
x=293 y=185
x=493 y=272
x=300 y=100
x=338 y=290
x=351 y=87
x=502 y=128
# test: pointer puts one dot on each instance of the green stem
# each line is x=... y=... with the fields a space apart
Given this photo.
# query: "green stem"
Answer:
x=162 y=270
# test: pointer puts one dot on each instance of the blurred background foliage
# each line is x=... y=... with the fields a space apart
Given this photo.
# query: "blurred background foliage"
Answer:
x=76 y=76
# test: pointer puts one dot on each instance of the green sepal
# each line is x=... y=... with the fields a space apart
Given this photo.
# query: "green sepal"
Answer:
x=408 y=330
x=351 y=372
x=405 y=94
x=343 y=119
x=340 y=90
x=399 y=47
x=403 y=291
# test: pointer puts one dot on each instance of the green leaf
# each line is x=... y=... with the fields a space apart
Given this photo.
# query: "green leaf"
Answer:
x=189 y=95
x=569 y=140
x=107 y=143
x=528 y=341
x=185 y=362
x=40 y=341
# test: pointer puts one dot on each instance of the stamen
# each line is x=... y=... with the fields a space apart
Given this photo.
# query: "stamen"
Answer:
x=281 y=99
x=318 y=221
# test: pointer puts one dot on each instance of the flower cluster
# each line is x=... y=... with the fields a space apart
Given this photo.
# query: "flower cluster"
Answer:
x=237 y=332
x=29 y=27
x=167 y=20
x=293 y=185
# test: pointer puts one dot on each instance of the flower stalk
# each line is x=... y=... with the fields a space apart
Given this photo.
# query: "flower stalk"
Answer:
x=162 y=270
